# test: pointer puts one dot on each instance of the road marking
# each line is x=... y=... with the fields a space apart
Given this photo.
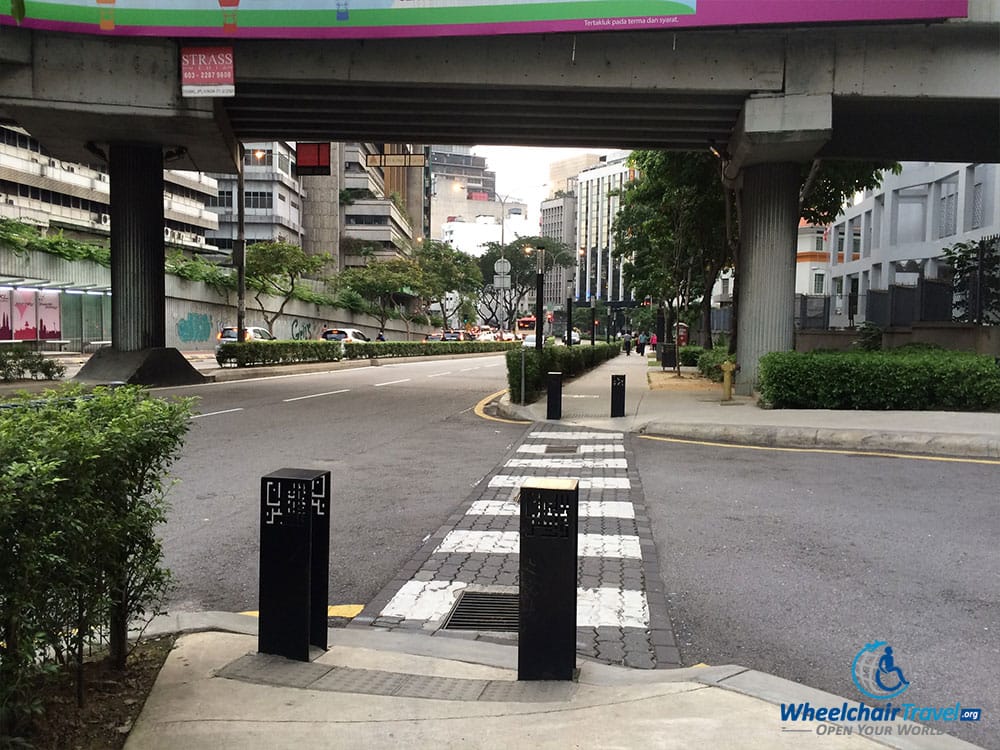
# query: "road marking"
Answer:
x=334 y=610
x=478 y=409
x=578 y=435
x=580 y=395
x=393 y=382
x=439 y=374
x=317 y=395
x=216 y=413
x=469 y=369
x=509 y=542
x=566 y=463
x=587 y=508
x=834 y=451
x=541 y=448
x=586 y=483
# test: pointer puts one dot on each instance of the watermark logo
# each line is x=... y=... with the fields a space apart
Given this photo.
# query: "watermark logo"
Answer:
x=876 y=673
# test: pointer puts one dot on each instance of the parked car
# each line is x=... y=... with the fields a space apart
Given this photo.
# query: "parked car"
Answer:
x=227 y=335
x=486 y=336
x=434 y=337
x=575 y=336
x=528 y=340
x=344 y=335
x=455 y=336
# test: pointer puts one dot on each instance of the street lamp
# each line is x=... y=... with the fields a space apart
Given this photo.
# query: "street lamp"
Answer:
x=539 y=294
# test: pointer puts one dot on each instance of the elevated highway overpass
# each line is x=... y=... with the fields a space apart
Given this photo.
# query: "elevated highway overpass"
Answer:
x=769 y=96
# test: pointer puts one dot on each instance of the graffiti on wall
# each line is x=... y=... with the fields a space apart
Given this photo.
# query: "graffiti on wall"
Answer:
x=301 y=330
x=195 y=327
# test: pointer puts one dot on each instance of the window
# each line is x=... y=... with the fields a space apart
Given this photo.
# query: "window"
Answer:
x=224 y=199
x=949 y=205
x=818 y=283
x=283 y=164
x=977 y=206
x=259 y=200
x=838 y=286
x=725 y=287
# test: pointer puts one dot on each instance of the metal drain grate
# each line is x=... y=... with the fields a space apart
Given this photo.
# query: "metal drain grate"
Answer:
x=561 y=449
x=479 y=610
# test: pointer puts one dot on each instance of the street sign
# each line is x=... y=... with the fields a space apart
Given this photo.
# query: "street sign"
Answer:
x=395 y=160
x=502 y=266
x=501 y=281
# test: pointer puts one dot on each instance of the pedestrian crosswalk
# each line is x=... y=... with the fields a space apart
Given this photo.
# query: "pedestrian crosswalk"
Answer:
x=481 y=551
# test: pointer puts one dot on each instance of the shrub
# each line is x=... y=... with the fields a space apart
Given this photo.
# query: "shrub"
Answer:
x=20 y=362
x=894 y=379
x=709 y=363
x=690 y=355
x=571 y=361
x=253 y=353
x=82 y=482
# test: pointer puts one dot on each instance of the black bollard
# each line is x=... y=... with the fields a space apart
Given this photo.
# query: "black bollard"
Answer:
x=554 y=404
x=617 y=395
x=294 y=528
x=546 y=646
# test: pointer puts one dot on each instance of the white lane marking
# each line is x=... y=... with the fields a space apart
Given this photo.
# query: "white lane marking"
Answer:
x=423 y=600
x=579 y=395
x=496 y=365
x=591 y=483
x=578 y=435
x=439 y=374
x=567 y=463
x=317 y=395
x=214 y=413
x=620 y=608
x=393 y=382
x=601 y=448
x=432 y=600
x=469 y=369
x=587 y=508
x=507 y=542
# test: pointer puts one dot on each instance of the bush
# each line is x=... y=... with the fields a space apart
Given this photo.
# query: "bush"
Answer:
x=690 y=355
x=21 y=362
x=82 y=482
x=710 y=361
x=569 y=360
x=901 y=379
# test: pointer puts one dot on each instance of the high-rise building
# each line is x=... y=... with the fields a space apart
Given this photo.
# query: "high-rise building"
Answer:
x=597 y=202
x=464 y=190
x=272 y=197
x=558 y=221
x=563 y=173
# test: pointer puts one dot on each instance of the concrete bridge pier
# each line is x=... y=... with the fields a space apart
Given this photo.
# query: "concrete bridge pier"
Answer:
x=138 y=296
x=766 y=266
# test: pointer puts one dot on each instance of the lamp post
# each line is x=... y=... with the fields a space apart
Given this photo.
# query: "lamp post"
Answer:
x=593 y=320
x=569 y=311
x=240 y=252
x=539 y=295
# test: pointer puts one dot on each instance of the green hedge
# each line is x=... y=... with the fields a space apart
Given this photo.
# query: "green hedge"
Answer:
x=569 y=360
x=893 y=379
x=690 y=355
x=255 y=353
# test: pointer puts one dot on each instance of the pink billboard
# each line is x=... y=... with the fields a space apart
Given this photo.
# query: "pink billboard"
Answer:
x=6 y=329
x=49 y=321
x=25 y=318
x=361 y=19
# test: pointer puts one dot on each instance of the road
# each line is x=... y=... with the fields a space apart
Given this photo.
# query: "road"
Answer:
x=401 y=443
x=791 y=562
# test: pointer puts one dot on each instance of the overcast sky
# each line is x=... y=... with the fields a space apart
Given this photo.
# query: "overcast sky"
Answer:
x=523 y=172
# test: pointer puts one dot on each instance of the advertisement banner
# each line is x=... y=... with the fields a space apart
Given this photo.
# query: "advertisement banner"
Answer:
x=367 y=19
x=207 y=71
x=49 y=322
x=6 y=328
x=25 y=321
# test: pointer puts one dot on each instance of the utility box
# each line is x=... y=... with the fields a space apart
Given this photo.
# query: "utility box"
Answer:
x=294 y=562
x=546 y=648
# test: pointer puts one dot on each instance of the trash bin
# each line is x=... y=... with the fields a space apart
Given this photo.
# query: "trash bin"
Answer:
x=667 y=354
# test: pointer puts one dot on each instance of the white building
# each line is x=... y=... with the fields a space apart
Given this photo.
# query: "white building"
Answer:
x=473 y=236
x=913 y=216
x=597 y=201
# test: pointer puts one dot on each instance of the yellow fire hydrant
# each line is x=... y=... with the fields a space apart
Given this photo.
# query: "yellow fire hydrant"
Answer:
x=728 y=368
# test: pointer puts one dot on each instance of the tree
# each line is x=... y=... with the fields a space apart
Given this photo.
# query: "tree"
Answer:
x=500 y=306
x=445 y=270
x=975 y=270
x=276 y=269
x=385 y=285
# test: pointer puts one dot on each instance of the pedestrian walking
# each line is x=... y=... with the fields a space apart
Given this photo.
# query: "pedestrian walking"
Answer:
x=643 y=340
x=627 y=343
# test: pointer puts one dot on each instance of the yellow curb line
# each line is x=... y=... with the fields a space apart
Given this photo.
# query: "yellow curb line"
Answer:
x=878 y=454
x=335 y=610
x=478 y=410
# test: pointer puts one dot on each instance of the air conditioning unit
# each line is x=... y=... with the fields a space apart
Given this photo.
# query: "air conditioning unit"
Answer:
x=105 y=220
x=166 y=233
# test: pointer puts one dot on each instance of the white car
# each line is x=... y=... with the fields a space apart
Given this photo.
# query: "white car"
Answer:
x=344 y=335
x=529 y=340
x=486 y=336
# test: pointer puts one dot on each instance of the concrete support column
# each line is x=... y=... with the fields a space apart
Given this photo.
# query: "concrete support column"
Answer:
x=138 y=293
x=768 y=232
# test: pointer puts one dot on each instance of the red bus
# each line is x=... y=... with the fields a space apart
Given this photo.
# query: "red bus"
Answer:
x=526 y=325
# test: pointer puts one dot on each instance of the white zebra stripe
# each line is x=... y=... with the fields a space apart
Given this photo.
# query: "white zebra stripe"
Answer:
x=588 y=509
x=586 y=483
x=508 y=542
x=566 y=463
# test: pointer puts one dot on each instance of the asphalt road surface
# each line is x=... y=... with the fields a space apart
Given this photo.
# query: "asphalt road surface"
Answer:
x=791 y=562
x=403 y=446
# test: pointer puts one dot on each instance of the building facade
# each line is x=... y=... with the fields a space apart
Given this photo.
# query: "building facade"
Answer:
x=896 y=235
x=558 y=221
x=597 y=202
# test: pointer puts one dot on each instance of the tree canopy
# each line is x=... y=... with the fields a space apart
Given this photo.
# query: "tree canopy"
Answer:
x=499 y=306
x=385 y=285
x=444 y=270
x=276 y=269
